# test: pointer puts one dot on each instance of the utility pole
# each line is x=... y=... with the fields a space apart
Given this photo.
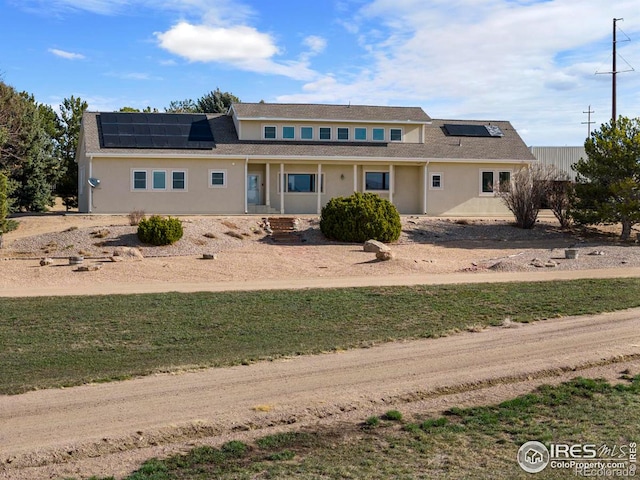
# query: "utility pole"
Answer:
x=588 y=122
x=614 y=71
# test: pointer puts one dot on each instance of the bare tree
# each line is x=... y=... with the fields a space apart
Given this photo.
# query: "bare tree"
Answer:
x=527 y=192
x=559 y=195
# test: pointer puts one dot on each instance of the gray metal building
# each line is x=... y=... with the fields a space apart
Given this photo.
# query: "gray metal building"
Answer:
x=561 y=157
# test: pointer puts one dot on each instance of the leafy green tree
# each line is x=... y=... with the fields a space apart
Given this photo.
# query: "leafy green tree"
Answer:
x=608 y=182
x=216 y=102
x=182 y=106
x=137 y=110
x=4 y=200
x=71 y=111
x=27 y=150
x=213 y=102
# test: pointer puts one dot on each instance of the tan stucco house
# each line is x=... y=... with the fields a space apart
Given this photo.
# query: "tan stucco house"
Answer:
x=292 y=159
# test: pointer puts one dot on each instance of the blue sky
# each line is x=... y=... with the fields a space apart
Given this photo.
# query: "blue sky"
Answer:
x=531 y=62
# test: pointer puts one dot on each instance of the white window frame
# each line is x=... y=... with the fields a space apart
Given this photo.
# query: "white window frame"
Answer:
x=224 y=177
x=320 y=134
x=364 y=181
x=264 y=132
x=373 y=132
x=496 y=174
x=153 y=178
x=355 y=134
x=286 y=182
x=310 y=128
x=185 y=180
x=293 y=137
x=133 y=180
x=338 y=129
x=391 y=135
x=431 y=177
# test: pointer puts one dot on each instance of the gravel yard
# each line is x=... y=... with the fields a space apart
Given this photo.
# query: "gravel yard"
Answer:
x=244 y=251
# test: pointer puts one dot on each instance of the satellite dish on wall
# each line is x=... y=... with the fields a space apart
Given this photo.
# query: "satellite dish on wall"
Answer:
x=94 y=182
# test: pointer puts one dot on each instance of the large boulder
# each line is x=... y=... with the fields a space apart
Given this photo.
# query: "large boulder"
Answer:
x=385 y=255
x=126 y=253
x=374 y=246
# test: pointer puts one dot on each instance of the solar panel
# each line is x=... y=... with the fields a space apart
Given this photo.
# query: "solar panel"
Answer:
x=155 y=130
x=468 y=130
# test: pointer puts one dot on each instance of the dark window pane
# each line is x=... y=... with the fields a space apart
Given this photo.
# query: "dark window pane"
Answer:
x=377 y=180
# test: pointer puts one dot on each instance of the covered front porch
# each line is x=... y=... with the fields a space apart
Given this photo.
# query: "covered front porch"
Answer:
x=308 y=186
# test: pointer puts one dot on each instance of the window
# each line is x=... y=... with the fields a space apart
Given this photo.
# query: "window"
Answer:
x=360 y=133
x=159 y=181
x=436 y=181
x=343 y=133
x=288 y=133
x=270 y=133
x=303 y=183
x=505 y=181
x=179 y=180
x=217 y=178
x=139 y=180
x=487 y=181
x=377 y=181
x=306 y=133
x=395 y=134
x=378 y=134
x=325 y=133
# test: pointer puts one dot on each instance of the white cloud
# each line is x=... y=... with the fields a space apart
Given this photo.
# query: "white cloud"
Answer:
x=65 y=54
x=315 y=43
x=202 y=43
x=139 y=76
x=240 y=46
x=102 y=7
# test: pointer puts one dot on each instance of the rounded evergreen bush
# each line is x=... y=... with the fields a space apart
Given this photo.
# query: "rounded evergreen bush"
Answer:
x=360 y=217
x=158 y=230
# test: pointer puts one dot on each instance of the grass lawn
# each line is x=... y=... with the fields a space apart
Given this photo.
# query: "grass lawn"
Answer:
x=62 y=341
x=473 y=443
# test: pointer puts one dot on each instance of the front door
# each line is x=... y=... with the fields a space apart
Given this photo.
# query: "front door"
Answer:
x=253 y=189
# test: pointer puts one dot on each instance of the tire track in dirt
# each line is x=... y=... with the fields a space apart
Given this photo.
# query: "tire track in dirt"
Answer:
x=53 y=427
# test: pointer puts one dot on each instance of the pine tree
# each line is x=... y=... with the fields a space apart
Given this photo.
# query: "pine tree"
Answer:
x=608 y=182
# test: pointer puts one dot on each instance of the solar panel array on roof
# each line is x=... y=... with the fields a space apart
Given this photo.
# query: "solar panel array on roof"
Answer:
x=460 y=130
x=155 y=130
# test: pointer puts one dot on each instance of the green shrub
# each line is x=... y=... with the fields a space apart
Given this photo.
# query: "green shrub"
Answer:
x=393 y=415
x=157 y=230
x=372 y=422
x=360 y=217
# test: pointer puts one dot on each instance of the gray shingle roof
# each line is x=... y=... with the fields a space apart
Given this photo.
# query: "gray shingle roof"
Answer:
x=438 y=145
x=316 y=112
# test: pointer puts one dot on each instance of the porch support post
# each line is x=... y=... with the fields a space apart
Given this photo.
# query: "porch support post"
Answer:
x=355 y=178
x=282 y=189
x=391 y=182
x=425 y=187
x=319 y=188
x=246 y=185
x=267 y=183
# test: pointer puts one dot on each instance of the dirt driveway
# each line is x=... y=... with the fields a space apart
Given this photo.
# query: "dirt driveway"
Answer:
x=110 y=429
